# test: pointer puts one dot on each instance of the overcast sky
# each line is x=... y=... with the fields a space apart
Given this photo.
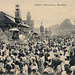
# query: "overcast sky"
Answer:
x=49 y=15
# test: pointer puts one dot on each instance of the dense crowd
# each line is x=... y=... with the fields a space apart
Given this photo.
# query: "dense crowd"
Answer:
x=36 y=56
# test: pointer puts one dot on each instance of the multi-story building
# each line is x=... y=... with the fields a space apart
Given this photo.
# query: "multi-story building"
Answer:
x=6 y=22
x=29 y=21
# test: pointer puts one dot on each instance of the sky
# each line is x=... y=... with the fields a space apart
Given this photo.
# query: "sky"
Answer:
x=48 y=15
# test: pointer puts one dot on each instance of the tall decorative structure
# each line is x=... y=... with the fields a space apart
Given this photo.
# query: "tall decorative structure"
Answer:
x=17 y=14
x=29 y=21
x=28 y=16
x=41 y=30
x=46 y=32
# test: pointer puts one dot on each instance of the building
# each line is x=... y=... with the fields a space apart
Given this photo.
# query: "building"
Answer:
x=8 y=22
x=46 y=32
x=64 y=28
x=5 y=22
x=29 y=21
x=18 y=14
x=41 y=30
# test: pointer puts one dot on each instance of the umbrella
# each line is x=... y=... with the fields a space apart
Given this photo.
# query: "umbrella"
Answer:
x=13 y=29
x=56 y=62
x=35 y=33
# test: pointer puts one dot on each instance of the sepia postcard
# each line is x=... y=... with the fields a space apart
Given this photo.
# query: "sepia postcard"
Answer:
x=37 y=37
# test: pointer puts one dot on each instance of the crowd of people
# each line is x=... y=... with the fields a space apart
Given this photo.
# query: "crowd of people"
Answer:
x=36 y=56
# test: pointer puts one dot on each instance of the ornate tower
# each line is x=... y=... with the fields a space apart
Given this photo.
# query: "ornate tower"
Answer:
x=28 y=16
x=46 y=32
x=29 y=21
x=41 y=30
x=17 y=14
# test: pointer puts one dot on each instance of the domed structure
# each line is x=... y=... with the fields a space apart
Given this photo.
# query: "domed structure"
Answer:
x=29 y=21
x=46 y=32
x=41 y=28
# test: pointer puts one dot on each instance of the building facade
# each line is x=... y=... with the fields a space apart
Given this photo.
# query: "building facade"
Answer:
x=29 y=21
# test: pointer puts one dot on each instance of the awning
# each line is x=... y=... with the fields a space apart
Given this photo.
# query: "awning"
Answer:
x=14 y=29
x=25 y=25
